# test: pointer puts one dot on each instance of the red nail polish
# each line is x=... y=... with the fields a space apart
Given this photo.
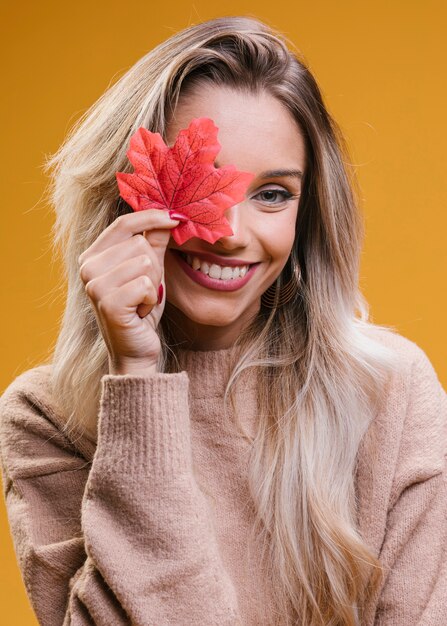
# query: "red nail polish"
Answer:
x=178 y=216
x=160 y=293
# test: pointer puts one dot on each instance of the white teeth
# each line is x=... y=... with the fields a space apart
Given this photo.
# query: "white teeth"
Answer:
x=226 y=273
x=216 y=271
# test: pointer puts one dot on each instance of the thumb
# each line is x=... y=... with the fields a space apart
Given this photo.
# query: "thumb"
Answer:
x=159 y=239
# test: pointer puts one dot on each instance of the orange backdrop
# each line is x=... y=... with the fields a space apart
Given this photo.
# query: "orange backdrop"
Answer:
x=381 y=67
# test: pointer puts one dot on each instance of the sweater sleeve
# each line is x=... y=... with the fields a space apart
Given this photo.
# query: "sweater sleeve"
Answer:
x=127 y=540
x=414 y=552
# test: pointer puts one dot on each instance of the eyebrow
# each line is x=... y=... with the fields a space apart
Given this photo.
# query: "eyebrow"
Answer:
x=276 y=173
x=281 y=173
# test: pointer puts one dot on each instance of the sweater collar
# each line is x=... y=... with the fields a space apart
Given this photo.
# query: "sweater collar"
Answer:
x=209 y=371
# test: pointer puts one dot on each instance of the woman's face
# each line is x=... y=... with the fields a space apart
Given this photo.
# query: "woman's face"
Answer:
x=257 y=134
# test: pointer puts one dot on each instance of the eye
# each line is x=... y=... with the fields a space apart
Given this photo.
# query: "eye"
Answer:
x=269 y=195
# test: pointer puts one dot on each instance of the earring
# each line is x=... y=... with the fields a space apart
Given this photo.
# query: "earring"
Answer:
x=271 y=298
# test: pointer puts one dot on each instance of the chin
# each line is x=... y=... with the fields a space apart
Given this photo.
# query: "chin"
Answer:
x=211 y=320
x=213 y=315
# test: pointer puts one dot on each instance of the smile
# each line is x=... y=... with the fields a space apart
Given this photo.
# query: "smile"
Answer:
x=213 y=276
x=213 y=270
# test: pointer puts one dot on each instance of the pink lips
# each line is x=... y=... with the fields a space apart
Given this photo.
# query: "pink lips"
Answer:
x=199 y=277
x=219 y=260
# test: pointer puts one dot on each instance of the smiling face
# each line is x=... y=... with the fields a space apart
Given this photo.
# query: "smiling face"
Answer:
x=257 y=134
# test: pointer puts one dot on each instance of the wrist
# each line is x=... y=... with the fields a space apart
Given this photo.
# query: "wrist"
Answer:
x=132 y=368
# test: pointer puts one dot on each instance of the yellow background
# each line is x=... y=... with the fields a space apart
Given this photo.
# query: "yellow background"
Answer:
x=381 y=67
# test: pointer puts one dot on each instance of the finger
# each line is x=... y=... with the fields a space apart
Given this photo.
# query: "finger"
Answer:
x=127 y=225
x=120 y=304
x=158 y=240
x=144 y=309
x=128 y=270
x=103 y=262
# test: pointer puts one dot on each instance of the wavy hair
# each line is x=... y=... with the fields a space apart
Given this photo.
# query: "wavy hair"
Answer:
x=321 y=365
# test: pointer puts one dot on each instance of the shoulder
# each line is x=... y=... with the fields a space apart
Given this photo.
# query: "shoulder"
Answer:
x=32 y=434
x=411 y=425
x=413 y=373
x=28 y=382
x=406 y=441
x=407 y=351
x=29 y=395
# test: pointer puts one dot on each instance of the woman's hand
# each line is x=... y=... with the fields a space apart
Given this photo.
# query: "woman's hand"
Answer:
x=122 y=271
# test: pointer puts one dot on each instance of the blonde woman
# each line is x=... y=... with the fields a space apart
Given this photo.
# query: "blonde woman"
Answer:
x=209 y=450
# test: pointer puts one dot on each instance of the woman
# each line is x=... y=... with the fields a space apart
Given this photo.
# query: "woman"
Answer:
x=135 y=492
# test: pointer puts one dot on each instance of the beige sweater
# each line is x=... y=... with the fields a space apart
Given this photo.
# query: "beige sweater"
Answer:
x=126 y=531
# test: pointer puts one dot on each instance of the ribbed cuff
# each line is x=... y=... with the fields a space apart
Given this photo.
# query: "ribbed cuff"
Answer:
x=144 y=424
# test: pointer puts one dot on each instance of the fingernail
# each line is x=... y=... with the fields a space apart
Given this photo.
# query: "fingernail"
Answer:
x=160 y=293
x=178 y=216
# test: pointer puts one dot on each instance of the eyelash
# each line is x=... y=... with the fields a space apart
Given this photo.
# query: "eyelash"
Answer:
x=286 y=195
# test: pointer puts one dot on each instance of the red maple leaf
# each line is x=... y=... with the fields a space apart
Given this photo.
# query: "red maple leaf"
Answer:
x=184 y=178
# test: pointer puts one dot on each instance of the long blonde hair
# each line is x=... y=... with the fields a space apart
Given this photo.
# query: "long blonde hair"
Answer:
x=317 y=355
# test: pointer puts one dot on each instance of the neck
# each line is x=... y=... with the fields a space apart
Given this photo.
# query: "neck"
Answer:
x=191 y=335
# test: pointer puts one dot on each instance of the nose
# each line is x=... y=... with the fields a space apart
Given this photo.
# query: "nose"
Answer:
x=237 y=218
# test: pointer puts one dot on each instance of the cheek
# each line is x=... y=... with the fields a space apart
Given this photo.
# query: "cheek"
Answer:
x=277 y=234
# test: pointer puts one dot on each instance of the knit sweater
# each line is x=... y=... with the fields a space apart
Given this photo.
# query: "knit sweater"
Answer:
x=148 y=525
